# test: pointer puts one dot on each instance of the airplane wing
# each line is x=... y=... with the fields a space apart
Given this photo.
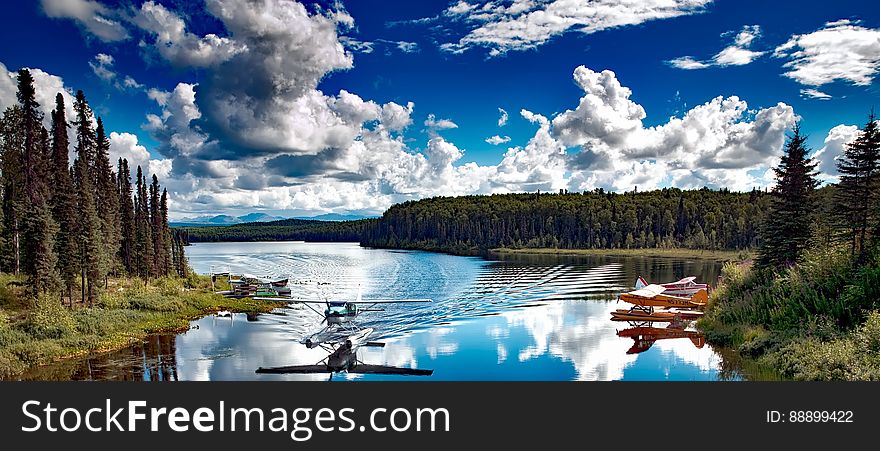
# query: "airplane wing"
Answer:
x=387 y=301
x=381 y=369
x=649 y=291
x=295 y=369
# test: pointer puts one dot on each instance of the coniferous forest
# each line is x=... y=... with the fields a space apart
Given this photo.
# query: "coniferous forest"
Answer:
x=69 y=226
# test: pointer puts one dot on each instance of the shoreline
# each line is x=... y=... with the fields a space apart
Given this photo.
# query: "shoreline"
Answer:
x=706 y=254
x=119 y=319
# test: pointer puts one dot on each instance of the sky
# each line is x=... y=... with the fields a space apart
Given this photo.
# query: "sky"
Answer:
x=302 y=108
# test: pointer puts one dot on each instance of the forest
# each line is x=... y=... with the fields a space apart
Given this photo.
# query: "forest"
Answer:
x=69 y=227
x=282 y=230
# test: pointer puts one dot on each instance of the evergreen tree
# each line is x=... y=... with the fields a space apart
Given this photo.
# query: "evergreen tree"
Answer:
x=787 y=229
x=106 y=205
x=13 y=186
x=166 y=235
x=88 y=223
x=856 y=200
x=155 y=227
x=63 y=199
x=126 y=217
x=143 y=230
x=38 y=228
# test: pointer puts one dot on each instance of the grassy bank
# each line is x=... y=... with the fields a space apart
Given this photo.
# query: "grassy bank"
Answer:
x=719 y=255
x=819 y=320
x=35 y=332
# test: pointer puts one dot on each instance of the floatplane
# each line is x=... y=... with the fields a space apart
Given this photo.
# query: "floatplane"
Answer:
x=644 y=336
x=341 y=337
x=682 y=300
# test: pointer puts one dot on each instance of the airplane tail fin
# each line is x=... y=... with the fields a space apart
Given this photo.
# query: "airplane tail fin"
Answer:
x=641 y=283
x=700 y=297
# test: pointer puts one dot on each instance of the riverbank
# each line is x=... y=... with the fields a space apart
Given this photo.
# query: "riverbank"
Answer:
x=43 y=331
x=819 y=320
x=717 y=255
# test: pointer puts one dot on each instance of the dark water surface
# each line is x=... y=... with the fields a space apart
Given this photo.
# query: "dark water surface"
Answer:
x=518 y=318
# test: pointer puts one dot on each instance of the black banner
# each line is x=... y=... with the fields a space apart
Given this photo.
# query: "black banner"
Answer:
x=308 y=415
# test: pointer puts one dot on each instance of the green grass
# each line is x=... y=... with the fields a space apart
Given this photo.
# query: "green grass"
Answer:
x=722 y=255
x=818 y=320
x=40 y=331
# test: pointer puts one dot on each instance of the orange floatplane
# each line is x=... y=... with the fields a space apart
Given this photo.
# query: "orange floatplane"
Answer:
x=645 y=336
x=677 y=308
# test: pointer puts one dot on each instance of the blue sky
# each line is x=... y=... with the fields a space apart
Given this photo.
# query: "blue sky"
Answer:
x=298 y=109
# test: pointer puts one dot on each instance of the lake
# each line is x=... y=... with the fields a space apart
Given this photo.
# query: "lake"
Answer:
x=516 y=317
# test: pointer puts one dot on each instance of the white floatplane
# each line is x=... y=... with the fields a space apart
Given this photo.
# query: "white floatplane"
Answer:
x=685 y=287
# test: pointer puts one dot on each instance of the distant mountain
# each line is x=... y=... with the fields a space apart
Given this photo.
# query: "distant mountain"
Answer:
x=336 y=217
x=259 y=217
x=221 y=220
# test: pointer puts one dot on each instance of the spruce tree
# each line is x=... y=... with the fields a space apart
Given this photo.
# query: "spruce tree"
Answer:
x=155 y=227
x=166 y=234
x=856 y=200
x=88 y=224
x=126 y=217
x=787 y=229
x=38 y=227
x=143 y=230
x=106 y=205
x=12 y=168
x=63 y=199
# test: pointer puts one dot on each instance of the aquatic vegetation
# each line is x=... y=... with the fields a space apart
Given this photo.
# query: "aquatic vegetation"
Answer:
x=127 y=311
x=813 y=320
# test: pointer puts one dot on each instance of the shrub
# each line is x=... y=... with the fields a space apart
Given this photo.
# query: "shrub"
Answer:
x=47 y=318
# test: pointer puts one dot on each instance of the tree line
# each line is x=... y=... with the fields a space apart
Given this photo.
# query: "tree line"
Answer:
x=669 y=217
x=72 y=226
x=282 y=230
x=800 y=216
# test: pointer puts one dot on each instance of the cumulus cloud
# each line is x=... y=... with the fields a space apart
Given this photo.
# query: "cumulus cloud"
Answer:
x=502 y=121
x=713 y=144
x=91 y=15
x=526 y=24
x=46 y=85
x=736 y=54
x=835 y=143
x=179 y=46
x=496 y=140
x=841 y=50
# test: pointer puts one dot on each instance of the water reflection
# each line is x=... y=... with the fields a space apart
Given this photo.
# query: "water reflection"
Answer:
x=517 y=318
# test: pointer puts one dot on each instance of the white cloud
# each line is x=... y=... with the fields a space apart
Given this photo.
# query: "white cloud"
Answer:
x=527 y=24
x=102 y=66
x=687 y=63
x=396 y=117
x=179 y=46
x=736 y=54
x=433 y=125
x=835 y=143
x=842 y=50
x=713 y=144
x=496 y=140
x=96 y=18
x=47 y=87
x=502 y=121
x=815 y=94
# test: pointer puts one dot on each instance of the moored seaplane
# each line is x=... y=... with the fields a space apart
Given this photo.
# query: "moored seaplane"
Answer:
x=342 y=337
x=644 y=336
x=683 y=287
x=676 y=308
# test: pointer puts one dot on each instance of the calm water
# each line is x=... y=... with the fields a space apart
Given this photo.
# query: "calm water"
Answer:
x=518 y=318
